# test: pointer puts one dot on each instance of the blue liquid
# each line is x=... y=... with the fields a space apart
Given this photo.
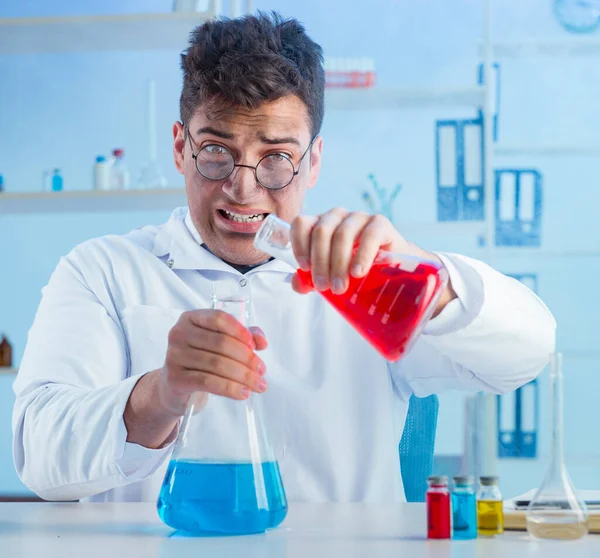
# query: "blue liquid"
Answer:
x=464 y=515
x=220 y=498
x=57 y=182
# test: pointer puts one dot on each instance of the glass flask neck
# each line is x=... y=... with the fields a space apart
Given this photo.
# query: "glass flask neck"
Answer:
x=556 y=397
x=237 y=305
x=274 y=238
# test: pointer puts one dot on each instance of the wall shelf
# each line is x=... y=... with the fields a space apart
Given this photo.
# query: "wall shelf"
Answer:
x=533 y=254
x=92 y=201
x=4 y=370
x=546 y=48
x=100 y=32
x=396 y=98
x=168 y=199
x=549 y=150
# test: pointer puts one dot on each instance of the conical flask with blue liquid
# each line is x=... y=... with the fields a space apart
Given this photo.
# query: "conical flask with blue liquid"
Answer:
x=223 y=478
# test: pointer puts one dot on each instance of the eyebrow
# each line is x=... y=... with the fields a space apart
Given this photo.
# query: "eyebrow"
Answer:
x=277 y=141
x=215 y=132
x=261 y=137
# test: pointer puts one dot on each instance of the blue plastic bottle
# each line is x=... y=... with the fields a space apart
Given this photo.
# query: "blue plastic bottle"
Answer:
x=464 y=509
x=57 y=181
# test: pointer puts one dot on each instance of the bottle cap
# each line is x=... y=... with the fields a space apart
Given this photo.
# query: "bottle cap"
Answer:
x=118 y=152
x=463 y=481
x=100 y=159
x=438 y=480
x=488 y=481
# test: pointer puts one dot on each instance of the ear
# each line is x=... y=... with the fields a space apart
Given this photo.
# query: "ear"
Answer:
x=316 y=152
x=179 y=146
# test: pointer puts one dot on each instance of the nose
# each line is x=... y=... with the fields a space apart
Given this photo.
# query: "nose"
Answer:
x=242 y=185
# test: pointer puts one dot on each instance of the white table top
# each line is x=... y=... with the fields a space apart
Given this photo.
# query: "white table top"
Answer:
x=134 y=530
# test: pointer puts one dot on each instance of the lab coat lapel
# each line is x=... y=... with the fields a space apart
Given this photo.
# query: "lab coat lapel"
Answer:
x=182 y=250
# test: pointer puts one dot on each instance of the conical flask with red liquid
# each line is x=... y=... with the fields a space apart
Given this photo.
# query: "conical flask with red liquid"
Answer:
x=389 y=307
x=223 y=478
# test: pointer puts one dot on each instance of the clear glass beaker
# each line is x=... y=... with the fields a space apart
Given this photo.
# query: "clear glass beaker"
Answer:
x=223 y=477
x=556 y=512
x=389 y=307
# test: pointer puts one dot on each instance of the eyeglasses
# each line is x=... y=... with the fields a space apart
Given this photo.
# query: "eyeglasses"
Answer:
x=273 y=171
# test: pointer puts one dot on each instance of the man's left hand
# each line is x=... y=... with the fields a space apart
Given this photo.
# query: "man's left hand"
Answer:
x=325 y=245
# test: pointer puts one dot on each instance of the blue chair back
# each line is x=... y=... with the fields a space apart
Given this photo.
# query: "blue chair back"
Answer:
x=417 y=445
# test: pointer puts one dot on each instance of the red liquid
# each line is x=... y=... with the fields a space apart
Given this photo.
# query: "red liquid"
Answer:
x=389 y=306
x=438 y=515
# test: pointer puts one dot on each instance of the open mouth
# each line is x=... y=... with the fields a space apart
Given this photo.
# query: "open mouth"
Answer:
x=242 y=218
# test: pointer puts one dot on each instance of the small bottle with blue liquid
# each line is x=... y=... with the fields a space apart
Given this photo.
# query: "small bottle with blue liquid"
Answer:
x=223 y=478
x=464 y=509
x=56 y=181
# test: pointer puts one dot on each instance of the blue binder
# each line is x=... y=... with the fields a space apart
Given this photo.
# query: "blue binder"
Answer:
x=530 y=280
x=496 y=89
x=518 y=412
x=459 y=169
x=518 y=210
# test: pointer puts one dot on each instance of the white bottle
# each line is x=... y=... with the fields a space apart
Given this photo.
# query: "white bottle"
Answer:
x=119 y=171
x=101 y=174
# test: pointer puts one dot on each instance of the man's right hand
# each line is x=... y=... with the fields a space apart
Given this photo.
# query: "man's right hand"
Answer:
x=209 y=351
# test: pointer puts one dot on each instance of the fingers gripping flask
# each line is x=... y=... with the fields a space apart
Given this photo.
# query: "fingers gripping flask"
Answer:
x=389 y=307
x=223 y=478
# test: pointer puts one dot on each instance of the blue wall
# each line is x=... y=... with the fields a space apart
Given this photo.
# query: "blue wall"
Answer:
x=64 y=109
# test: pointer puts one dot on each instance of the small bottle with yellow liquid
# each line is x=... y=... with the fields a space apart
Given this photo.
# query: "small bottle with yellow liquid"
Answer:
x=490 y=513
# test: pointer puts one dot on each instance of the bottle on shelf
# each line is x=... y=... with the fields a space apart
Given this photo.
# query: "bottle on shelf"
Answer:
x=46 y=181
x=151 y=177
x=56 y=181
x=5 y=353
x=102 y=171
x=119 y=171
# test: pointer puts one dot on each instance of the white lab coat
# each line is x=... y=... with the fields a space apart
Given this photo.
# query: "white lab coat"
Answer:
x=337 y=407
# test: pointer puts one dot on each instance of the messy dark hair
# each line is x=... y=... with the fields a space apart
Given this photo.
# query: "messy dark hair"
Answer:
x=247 y=61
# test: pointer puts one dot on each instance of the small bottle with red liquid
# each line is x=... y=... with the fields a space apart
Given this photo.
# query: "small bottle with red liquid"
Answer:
x=439 y=517
x=389 y=307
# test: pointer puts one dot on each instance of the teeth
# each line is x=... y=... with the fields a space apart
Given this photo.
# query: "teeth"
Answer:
x=244 y=218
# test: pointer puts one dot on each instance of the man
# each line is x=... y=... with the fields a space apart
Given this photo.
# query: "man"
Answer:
x=125 y=332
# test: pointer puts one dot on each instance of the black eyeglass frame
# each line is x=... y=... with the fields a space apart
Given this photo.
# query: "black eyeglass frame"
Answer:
x=295 y=170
